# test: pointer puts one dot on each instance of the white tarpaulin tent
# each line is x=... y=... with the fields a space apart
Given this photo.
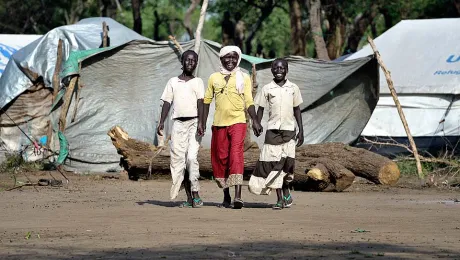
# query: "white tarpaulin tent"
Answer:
x=10 y=43
x=424 y=59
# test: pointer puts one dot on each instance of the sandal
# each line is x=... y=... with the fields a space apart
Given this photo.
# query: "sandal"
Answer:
x=224 y=204
x=185 y=205
x=238 y=203
x=197 y=203
x=288 y=201
x=279 y=205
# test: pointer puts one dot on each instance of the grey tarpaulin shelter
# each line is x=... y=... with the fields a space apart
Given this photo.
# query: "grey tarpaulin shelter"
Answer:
x=122 y=86
x=423 y=57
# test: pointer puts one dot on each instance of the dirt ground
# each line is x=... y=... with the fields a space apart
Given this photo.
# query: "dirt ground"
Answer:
x=102 y=218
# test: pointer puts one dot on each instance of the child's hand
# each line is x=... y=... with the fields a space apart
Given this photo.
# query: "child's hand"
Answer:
x=160 y=129
x=299 y=138
x=200 y=130
x=257 y=128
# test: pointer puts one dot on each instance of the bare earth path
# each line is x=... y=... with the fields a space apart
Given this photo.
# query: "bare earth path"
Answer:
x=121 y=219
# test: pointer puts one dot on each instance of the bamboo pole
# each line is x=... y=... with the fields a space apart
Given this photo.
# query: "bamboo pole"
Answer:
x=398 y=106
x=104 y=34
x=204 y=6
x=56 y=83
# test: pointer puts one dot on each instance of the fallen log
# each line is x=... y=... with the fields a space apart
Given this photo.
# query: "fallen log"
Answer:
x=319 y=167
x=361 y=162
x=322 y=174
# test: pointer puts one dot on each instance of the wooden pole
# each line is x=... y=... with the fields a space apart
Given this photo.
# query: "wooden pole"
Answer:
x=398 y=106
x=66 y=104
x=173 y=39
x=204 y=6
x=56 y=84
x=104 y=34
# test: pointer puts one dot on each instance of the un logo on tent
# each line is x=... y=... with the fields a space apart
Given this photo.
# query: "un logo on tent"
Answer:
x=452 y=58
x=5 y=54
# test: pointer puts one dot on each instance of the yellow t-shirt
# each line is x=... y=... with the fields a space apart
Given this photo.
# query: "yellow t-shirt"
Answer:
x=230 y=105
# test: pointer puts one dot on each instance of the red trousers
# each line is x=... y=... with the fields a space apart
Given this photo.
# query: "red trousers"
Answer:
x=227 y=154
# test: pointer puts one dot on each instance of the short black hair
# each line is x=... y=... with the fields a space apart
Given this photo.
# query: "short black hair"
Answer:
x=187 y=52
x=282 y=60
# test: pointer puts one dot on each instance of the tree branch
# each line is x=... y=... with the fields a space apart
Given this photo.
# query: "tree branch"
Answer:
x=188 y=16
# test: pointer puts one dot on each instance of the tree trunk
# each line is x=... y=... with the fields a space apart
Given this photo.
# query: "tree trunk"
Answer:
x=136 y=5
x=188 y=18
x=329 y=166
x=322 y=174
x=360 y=26
x=335 y=40
x=266 y=10
x=297 y=30
x=108 y=8
x=457 y=6
x=156 y=26
x=316 y=31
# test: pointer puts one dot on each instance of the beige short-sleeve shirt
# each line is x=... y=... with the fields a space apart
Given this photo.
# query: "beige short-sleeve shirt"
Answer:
x=280 y=102
x=183 y=95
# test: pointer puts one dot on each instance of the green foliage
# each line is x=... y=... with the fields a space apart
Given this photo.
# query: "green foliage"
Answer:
x=15 y=162
x=407 y=166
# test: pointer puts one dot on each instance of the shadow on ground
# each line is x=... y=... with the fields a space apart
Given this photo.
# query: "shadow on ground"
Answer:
x=244 y=250
x=172 y=204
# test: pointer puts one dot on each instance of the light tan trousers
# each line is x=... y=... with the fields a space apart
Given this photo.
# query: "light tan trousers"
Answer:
x=185 y=144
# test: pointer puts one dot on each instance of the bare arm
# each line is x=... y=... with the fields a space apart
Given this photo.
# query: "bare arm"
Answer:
x=199 y=104
x=298 y=118
x=260 y=113
x=205 y=115
x=256 y=127
x=164 y=114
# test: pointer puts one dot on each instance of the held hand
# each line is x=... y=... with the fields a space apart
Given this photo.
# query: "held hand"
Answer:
x=257 y=128
x=160 y=128
x=299 y=138
x=200 y=130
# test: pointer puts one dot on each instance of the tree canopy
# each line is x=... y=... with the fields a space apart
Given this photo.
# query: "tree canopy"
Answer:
x=268 y=28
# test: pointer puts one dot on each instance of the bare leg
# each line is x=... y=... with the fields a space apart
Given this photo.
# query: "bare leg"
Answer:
x=188 y=190
x=279 y=204
x=238 y=202
x=287 y=198
x=227 y=199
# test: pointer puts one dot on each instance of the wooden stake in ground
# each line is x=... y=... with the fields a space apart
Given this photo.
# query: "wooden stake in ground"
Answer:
x=204 y=6
x=56 y=84
x=66 y=104
x=105 y=34
x=398 y=106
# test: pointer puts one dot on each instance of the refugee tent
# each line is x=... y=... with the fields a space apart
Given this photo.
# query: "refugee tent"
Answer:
x=121 y=85
x=423 y=57
x=10 y=43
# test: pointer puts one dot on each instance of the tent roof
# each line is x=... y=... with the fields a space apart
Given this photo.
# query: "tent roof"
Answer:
x=423 y=56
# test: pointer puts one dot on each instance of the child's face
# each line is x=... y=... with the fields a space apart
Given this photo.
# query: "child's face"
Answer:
x=279 y=70
x=189 y=63
x=230 y=61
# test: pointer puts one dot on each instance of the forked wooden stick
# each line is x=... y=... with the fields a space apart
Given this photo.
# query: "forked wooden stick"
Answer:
x=398 y=106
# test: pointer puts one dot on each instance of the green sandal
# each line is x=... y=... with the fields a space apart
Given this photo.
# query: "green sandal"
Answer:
x=197 y=203
x=185 y=205
x=279 y=205
x=288 y=201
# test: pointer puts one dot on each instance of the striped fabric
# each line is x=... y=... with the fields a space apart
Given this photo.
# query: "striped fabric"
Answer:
x=276 y=163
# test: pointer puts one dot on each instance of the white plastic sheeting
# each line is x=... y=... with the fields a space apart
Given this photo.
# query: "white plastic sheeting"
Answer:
x=10 y=43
